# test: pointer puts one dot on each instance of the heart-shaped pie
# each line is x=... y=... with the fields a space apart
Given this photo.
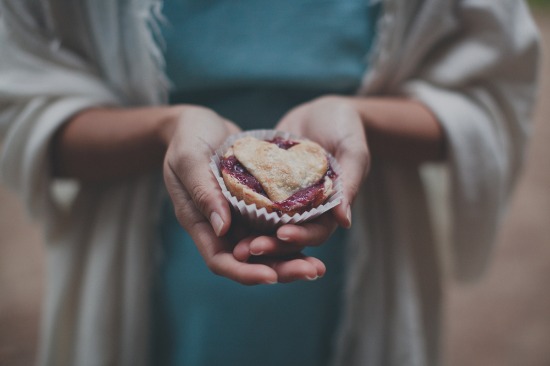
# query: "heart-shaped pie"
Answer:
x=286 y=176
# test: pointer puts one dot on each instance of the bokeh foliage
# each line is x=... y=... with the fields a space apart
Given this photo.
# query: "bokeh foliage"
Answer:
x=537 y=4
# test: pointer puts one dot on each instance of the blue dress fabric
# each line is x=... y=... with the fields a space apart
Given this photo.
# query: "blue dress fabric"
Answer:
x=251 y=61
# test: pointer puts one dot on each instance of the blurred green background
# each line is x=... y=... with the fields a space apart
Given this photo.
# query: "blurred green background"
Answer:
x=539 y=4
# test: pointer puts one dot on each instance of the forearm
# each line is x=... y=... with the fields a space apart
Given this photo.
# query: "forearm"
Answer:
x=401 y=129
x=110 y=143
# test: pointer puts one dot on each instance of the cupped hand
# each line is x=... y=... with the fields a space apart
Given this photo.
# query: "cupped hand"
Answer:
x=289 y=241
x=200 y=207
x=335 y=124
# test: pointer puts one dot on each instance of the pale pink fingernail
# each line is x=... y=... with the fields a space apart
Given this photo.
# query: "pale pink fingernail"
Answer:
x=312 y=278
x=348 y=216
x=256 y=249
x=283 y=237
x=217 y=223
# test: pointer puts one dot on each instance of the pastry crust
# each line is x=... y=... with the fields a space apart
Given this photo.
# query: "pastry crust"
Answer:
x=280 y=172
x=243 y=192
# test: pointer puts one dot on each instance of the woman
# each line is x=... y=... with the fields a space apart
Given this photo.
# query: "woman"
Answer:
x=84 y=95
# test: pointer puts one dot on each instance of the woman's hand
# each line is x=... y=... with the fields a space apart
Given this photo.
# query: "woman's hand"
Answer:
x=335 y=124
x=399 y=129
x=204 y=212
x=199 y=205
x=106 y=144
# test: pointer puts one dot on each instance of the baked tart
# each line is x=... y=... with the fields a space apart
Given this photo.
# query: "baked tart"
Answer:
x=282 y=175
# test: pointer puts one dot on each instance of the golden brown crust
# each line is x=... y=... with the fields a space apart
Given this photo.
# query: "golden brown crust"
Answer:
x=242 y=192
x=281 y=175
x=282 y=172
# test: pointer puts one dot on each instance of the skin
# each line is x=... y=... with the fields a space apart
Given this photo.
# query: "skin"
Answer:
x=123 y=142
x=353 y=128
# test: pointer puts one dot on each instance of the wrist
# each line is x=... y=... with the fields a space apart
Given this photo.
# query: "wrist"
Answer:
x=167 y=123
x=366 y=108
x=401 y=129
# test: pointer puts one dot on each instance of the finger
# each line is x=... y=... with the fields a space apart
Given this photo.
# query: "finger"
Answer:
x=270 y=246
x=342 y=213
x=312 y=233
x=290 y=270
x=318 y=264
x=192 y=174
x=221 y=261
x=241 y=252
x=354 y=159
x=295 y=270
x=216 y=251
x=225 y=264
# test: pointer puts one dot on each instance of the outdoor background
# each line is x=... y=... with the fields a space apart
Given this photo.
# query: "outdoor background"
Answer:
x=503 y=320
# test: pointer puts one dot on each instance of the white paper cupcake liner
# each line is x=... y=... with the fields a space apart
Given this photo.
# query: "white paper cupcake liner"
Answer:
x=260 y=219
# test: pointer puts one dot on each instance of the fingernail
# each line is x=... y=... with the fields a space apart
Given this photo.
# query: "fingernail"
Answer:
x=217 y=223
x=348 y=216
x=271 y=282
x=283 y=237
x=312 y=278
x=256 y=249
x=252 y=252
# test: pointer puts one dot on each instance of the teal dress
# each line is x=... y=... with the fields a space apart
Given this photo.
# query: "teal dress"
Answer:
x=251 y=61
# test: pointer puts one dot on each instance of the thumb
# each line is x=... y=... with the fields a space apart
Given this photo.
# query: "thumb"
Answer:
x=198 y=182
x=354 y=161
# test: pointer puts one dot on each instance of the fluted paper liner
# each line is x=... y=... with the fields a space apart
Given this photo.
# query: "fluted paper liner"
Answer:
x=260 y=218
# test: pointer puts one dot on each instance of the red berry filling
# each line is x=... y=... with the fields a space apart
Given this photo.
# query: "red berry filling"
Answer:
x=282 y=143
x=232 y=166
x=300 y=201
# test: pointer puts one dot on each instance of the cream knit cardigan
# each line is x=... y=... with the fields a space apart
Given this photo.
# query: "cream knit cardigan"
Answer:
x=473 y=62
